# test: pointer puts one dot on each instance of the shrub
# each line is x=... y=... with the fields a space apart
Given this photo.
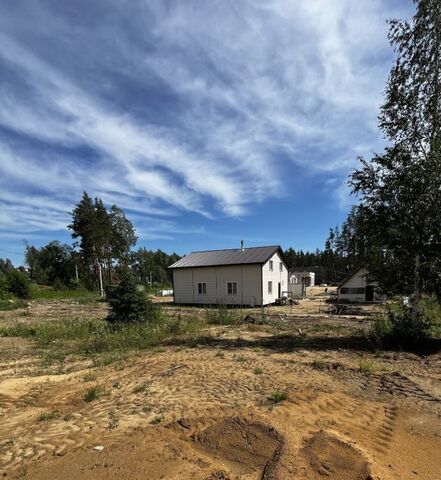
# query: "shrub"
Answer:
x=277 y=396
x=128 y=304
x=4 y=293
x=18 y=283
x=400 y=325
x=93 y=393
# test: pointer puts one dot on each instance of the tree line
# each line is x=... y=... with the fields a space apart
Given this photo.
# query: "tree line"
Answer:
x=103 y=247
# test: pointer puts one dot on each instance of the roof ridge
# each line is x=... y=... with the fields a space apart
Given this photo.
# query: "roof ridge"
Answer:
x=231 y=249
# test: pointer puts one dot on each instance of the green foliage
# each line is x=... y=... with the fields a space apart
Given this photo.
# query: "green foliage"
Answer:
x=105 y=236
x=7 y=304
x=93 y=393
x=18 y=283
x=89 y=377
x=145 y=262
x=13 y=282
x=76 y=336
x=399 y=189
x=39 y=292
x=367 y=366
x=222 y=315
x=128 y=304
x=278 y=396
x=318 y=364
x=4 y=292
x=47 y=416
x=404 y=325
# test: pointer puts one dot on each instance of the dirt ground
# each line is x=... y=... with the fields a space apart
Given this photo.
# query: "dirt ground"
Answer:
x=213 y=407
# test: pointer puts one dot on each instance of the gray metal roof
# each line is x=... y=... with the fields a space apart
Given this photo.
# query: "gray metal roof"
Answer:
x=233 y=256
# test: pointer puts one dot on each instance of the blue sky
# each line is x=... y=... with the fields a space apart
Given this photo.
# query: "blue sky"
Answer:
x=208 y=122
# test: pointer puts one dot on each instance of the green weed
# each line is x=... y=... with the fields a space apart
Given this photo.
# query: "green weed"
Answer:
x=47 y=416
x=93 y=393
x=367 y=367
x=318 y=364
x=277 y=396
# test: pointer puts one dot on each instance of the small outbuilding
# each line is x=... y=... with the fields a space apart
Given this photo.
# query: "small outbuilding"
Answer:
x=300 y=276
x=359 y=288
x=243 y=276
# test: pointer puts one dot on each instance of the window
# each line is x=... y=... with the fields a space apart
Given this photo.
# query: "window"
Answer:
x=231 y=288
x=271 y=265
x=281 y=266
x=351 y=291
x=202 y=288
x=270 y=288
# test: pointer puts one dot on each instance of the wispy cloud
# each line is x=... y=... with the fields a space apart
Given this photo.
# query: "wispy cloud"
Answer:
x=172 y=107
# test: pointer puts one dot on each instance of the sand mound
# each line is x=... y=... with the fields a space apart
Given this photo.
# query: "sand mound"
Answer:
x=245 y=446
x=330 y=457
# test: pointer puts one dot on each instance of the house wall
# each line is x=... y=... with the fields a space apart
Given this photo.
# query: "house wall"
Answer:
x=359 y=280
x=247 y=277
x=275 y=276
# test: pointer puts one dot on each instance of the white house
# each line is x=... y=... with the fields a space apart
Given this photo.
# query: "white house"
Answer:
x=358 y=288
x=243 y=276
x=307 y=278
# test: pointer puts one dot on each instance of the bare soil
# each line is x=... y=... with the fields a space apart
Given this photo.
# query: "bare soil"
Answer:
x=203 y=408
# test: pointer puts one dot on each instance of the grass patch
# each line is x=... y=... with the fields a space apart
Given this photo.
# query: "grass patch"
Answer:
x=367 y=367
x=277 y=396
x=257 y=371
x=41 y=292
x=93 y=393
x=143 y=387
x=12 y=304
x=47 y=416
x=240 y=358
x=89 y=377
x=222 y=316
x=326 y=327
x=318 y=364
x=75 y=336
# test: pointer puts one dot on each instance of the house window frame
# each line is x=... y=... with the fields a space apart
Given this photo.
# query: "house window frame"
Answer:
x=270 y=287
x=280 y=266
x=234 y=288
x=203 y=289
x=271 y=266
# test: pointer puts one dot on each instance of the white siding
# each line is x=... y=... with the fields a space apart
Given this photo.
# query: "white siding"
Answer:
x=358 y=280
x=247 y=277
x=183 y=285
x=275 y=276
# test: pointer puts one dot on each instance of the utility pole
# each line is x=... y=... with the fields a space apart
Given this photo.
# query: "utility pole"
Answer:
x=100 y=273
x=76 y=273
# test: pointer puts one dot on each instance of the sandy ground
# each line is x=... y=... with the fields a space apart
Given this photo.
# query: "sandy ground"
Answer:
x=201 y=408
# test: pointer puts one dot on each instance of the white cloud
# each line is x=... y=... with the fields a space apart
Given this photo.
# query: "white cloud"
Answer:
x=260 y=88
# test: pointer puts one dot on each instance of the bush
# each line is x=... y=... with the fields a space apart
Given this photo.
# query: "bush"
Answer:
x=128 y=304
x=4 y=293
x=400 y=325
x=222 y=315
x=18 y=283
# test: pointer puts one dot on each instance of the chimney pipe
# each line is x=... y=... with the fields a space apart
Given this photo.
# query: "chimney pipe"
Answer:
x=241 y=245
